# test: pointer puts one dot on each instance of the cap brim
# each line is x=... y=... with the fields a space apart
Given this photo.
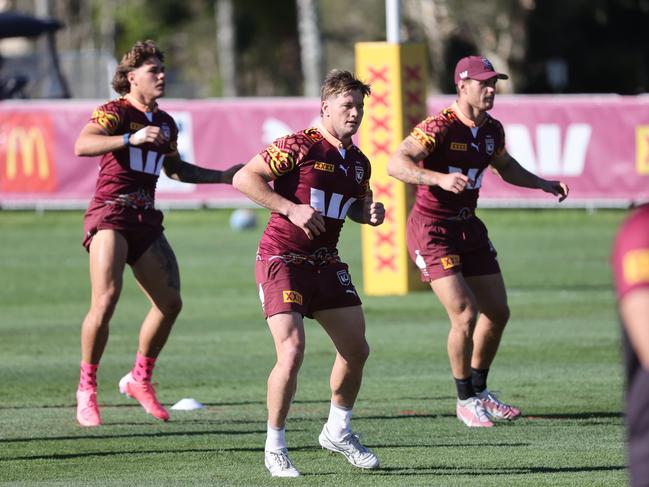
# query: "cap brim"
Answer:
x=488 y=75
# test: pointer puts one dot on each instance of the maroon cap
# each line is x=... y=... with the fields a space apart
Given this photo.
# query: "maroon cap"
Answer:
x=476 y=67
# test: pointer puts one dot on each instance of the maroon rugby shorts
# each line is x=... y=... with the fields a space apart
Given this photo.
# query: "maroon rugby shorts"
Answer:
x=302 y=287
x=637 y=414
x=442 y=248
x=637 y=420
x=140 y=228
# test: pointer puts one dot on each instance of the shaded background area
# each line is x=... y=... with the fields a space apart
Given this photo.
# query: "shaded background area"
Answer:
x=260 y=48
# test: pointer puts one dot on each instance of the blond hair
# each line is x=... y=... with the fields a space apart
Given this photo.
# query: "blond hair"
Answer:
x=339 y=82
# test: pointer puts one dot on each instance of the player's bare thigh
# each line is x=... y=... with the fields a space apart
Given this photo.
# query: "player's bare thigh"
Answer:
x=491 y=296
x=156 y=271
x=345 y=327
x=287 y=330
x=455 y=294
x=107 y=253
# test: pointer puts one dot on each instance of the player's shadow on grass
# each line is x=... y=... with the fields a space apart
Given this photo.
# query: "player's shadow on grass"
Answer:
x=413 y=415
x=485 y=471
x=324 y=401
x=152 y=434
x=130 y=404
x=147 y=452
x=429 y=398
x=551 y=286
x=216 y=449
x=463 y=444
x=406 y=415
x=578 y=416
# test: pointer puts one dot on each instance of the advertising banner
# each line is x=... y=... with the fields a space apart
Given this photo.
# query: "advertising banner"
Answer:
x=599 y=145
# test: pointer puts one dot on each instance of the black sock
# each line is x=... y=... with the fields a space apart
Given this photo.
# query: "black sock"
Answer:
x=479 y=379
x=464 y=388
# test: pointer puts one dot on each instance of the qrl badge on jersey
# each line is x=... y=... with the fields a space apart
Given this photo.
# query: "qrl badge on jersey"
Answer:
x=360 y=172
x=490 y=145
x=166 y=131
x=344 y=278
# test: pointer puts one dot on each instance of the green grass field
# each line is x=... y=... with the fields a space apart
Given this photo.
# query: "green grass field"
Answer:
x=559 y=361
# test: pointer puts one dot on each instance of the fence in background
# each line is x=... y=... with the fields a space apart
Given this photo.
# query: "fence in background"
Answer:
x=599 y=145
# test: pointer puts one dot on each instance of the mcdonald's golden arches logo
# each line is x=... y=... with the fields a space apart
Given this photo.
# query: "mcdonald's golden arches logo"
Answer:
x=642 y=149
x=26 y=161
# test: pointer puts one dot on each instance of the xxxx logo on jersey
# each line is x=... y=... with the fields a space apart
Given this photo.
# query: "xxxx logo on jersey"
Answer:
x=636 y=266
x=458 y=146
x=451 y=260
x=324 y=166
x=292 y=297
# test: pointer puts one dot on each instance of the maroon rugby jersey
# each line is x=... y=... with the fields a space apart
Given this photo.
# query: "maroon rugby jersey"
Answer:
x=132 y=170
x=454 y=144
x=630 y=257
x=310 y=170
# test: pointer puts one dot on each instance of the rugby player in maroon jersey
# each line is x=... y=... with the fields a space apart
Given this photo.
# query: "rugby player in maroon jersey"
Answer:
x=630 y=262
x=135 y=140
x=320 y=177
x=446 y=156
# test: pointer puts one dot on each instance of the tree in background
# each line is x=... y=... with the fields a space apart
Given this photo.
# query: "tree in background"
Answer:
x=548 y=46
x=601 y=43
x=310 y=46
x=226 y=45
x=456 y=28
x=268 y=48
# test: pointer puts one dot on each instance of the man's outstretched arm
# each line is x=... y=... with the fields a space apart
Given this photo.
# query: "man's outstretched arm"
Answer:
x=511 y=171
x=185 y=172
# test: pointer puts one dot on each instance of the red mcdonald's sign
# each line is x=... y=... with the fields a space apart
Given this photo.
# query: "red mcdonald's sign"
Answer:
x=26 y=154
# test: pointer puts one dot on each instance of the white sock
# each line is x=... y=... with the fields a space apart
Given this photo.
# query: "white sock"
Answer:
x=275 y=438
x=338 y=424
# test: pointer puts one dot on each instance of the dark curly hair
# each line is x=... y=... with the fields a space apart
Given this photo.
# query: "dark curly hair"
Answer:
x=133 y=59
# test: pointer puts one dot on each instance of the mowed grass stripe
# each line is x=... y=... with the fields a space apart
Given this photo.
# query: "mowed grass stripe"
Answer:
x=559 y=361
